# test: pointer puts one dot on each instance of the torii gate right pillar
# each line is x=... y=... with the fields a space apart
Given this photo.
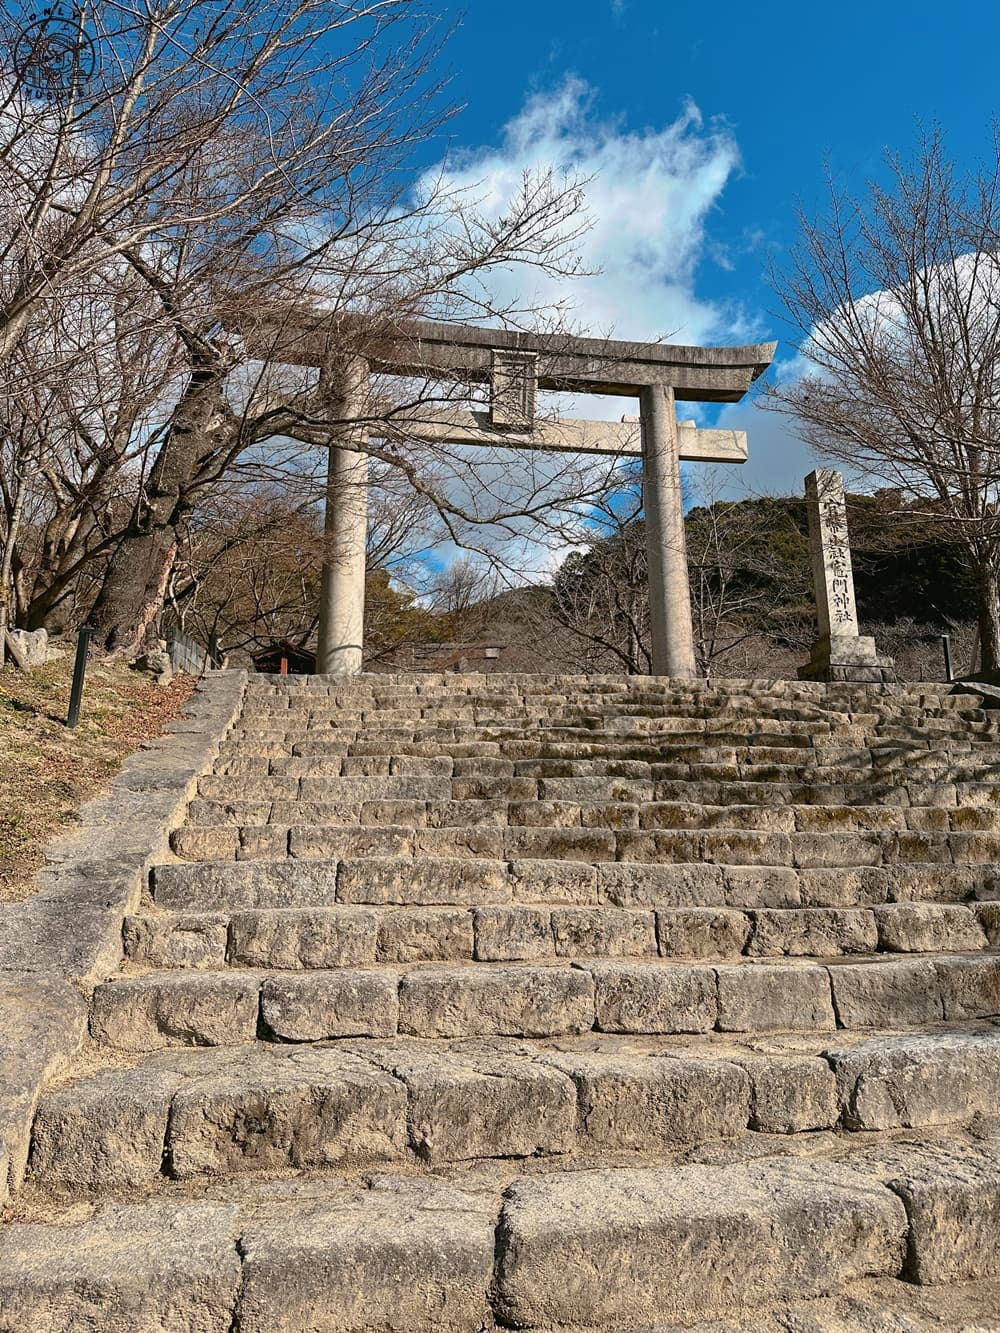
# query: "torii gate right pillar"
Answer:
x=666 y=551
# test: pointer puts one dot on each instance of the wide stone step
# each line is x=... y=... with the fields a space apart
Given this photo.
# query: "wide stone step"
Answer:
x=297 y=938
x=676 y=734
x=264 y=1108
x=806 y=850
x=545 y=1251
x=456 y=1000
x=585 y=813
x=472 y=880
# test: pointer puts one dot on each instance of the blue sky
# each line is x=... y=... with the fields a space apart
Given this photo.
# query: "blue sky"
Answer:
x=707 y=124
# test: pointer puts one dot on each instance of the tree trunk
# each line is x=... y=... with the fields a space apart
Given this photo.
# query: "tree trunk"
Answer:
x=988 y=592
x=7 y=558
x=131 y=596
x=134 y=587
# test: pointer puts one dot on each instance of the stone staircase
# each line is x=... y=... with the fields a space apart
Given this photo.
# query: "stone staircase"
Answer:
x=546 y=1003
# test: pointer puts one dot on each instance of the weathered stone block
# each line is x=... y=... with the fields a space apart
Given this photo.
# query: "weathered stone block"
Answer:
x=569 y=844
x=205 y=844
x=176 y=940
x=425 y=935
x=404 y=814
x=254 y=1111
x=897 y=994
x=952 y=1199
x=507 y=934
x=592 y=1248
x=298 y=937
x=325 y=813
x=609 y=815
x=760 y=886
x=341 y=844
x=321 y=1005
x=812 y=932
x=213 y=888
x=927 y=928
x=554 y=882
x=969 y=987
x=649 y=1104
x=266 y=843
x=103 y=1133
x=701 y=932
x=409 y=765
x=847 y=886
x=654 y=997
x=791 y=1094
x=662 y=885
x=154 y=1268
x=736 y=847
x=920 y=1080
x=659 y=847
x=176 y=1009
x=466 y=814
x=219 y=813
x=462 y=843
x=496 y=1001
x=395 y=1263
x=213 y=788
x=425 y=881
x=542 y=814
x=464 y=1106
x=837 y=849
x=975 y=848
x=603 y=932
x=754 y=997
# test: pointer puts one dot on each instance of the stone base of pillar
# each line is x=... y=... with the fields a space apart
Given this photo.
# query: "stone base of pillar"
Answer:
x=850 y=659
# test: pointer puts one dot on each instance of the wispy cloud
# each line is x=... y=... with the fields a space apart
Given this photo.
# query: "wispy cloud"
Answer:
x=651 y=194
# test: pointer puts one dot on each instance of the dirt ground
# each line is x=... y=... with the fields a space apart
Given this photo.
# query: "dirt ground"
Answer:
x=48 y=771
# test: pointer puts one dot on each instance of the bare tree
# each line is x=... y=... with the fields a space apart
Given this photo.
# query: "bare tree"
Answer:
x=600 y=594
x=240 y=159
x=748 y=563
x=896 y=297
x=248 y=566
x=82 y=414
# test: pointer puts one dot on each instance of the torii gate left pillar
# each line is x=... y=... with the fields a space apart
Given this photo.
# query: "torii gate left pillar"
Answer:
x=345 y=527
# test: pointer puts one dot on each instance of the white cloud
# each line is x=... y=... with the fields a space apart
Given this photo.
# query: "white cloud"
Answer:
x=650 y=195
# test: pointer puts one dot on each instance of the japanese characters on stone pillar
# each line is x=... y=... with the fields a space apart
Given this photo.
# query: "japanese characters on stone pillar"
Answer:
x=833 y=577
x=840 y=652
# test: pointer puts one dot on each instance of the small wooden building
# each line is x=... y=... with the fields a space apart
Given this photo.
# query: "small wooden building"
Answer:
x=282 y=658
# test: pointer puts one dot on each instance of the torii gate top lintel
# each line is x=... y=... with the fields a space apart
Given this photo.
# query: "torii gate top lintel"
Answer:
x=565 y=363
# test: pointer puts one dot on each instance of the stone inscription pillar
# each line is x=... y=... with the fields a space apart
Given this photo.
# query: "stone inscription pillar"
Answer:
x=666 y=552
x=833 y=577
x=342 y=596
x=840 y=653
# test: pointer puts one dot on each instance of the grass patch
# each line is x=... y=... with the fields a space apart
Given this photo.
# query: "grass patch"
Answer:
x=48 y=771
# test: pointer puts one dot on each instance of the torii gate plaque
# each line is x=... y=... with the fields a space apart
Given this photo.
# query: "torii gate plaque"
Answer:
x=516 y=366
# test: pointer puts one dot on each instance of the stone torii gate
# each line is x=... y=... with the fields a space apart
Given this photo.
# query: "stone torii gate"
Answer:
x=515 y=366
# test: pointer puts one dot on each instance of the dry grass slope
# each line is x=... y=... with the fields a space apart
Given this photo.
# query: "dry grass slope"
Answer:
x=48 y=771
